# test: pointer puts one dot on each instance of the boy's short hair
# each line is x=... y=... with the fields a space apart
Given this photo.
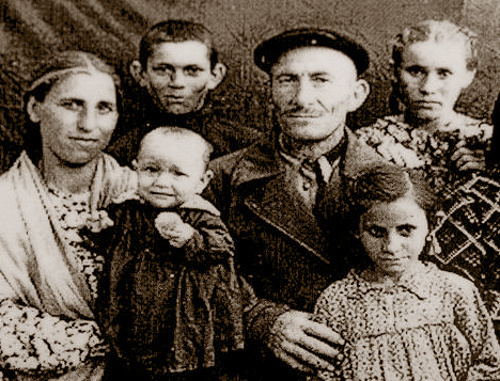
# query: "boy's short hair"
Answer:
x=183 y=132
x=176 y=31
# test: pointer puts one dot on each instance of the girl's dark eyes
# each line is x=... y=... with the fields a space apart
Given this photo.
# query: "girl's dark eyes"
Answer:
x=406 y=230
x=150 y=169
x=415 y=70
x=376 y=231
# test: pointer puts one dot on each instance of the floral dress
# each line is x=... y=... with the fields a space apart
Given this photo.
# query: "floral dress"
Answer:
x=431 y=325
x=39 y=341
x=434 y=150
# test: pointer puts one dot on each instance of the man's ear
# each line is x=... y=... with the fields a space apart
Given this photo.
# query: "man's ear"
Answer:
x=32 y=109
x=137 y=73
x=469 y=78
x=217 y=75
x=205 y=179
x=360 y=93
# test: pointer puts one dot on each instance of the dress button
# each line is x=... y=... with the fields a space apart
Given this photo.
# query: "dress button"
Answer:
x=172 y=276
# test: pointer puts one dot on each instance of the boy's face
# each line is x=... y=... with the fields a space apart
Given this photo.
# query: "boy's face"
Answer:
x=171 y=170
x=179 y=76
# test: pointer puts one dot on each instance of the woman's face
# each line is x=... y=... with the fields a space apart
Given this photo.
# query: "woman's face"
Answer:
x=77 y=117
x=432 y=76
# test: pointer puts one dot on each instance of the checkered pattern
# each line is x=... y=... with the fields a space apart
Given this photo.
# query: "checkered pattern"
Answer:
x=468 y=234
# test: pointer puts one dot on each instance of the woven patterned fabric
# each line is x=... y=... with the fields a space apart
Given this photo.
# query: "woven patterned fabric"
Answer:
x=467 y=234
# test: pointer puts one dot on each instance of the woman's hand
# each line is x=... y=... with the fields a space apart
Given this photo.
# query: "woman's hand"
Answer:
x=399 y=155
x=304 y=344
x=466 y=159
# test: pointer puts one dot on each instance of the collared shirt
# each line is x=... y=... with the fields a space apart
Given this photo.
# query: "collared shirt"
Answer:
x=306 y=175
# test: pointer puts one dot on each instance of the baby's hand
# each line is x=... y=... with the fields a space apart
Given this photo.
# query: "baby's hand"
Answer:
x=171 y=227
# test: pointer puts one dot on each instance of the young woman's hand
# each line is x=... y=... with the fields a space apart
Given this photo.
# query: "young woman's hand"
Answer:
x=467 y=159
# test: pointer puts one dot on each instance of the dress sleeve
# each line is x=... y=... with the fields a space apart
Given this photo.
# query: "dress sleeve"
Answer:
x=32 y=341
x=473 y=320
x=211 y=242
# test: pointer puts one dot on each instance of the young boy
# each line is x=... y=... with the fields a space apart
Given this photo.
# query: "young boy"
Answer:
x=178 y=67
x=170 y=300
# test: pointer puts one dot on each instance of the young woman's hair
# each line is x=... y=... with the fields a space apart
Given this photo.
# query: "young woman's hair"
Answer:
x=436 y=31
x=57 y=67
x=176 y=31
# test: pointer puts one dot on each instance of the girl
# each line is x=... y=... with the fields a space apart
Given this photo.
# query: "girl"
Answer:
x=403 y=319
x=433 y=61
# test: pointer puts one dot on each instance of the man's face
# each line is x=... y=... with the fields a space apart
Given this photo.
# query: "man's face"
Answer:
x=313 y=89
x=179 y=76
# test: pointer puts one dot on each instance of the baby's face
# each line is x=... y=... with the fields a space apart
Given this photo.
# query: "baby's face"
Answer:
x=171 y=170
x=393 y=235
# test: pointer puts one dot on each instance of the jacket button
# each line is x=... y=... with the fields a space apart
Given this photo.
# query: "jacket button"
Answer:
x=307 y=185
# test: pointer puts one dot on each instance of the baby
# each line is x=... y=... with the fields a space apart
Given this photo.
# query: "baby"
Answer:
x=170 y=300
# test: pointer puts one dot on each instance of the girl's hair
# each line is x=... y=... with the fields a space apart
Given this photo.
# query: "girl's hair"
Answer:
x=387 y=184
x=437 y=31
x=379 y=184
x=57 y=67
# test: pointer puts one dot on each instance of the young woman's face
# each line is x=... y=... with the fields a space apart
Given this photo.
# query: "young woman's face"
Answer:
x=393 y=235
x=432 y=76
x=77 y=117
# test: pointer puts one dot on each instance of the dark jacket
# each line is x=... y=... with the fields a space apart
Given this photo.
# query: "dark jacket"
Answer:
x=284 y=261
x=165 y=309
x=142 y=116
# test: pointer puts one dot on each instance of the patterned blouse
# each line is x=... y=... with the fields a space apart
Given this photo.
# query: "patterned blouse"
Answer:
x=430 y=326
x=433 y=150
x=60 y=344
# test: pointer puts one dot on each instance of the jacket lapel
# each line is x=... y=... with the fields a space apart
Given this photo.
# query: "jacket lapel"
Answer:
x=260 y=177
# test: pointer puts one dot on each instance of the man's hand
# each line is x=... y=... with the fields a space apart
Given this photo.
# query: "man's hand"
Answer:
x=171 y=227
x=303 y=344
x=467 y=159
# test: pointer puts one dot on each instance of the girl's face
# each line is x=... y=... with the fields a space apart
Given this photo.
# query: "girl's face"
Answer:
x=432 y=76
x=393 y=235
x=77 y=117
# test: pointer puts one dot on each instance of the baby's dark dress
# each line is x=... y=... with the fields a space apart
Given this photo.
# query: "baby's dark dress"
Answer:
x=167 y=310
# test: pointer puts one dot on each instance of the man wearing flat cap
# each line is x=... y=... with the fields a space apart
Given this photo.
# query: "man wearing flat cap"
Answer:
x=274 y=193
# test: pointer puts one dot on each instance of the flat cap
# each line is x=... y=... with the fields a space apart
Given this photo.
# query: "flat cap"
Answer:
x=269 y=51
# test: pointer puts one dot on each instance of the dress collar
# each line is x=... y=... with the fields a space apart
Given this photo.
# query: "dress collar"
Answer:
x=418 y=282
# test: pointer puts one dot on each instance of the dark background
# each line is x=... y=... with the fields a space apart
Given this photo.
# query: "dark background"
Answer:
x=33 y=29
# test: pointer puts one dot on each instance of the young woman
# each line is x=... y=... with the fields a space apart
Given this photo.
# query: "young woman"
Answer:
x=434 y=61
x=60 y=182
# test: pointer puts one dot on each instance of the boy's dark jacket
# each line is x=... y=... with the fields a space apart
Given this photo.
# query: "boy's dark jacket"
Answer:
x=165 y=309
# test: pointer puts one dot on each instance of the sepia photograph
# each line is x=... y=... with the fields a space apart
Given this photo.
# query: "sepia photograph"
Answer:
x=250 y=190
